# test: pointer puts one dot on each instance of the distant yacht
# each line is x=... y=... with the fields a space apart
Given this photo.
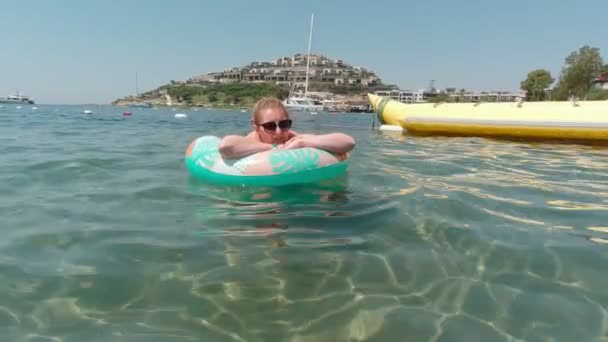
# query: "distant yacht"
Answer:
x=303 y=102
x=18 y=98
x=138 y=104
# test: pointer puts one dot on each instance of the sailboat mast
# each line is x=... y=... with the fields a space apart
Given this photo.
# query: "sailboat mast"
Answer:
x=136 y=85
x=312 y=17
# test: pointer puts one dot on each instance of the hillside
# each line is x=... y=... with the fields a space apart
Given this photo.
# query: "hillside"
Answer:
x=242 y=86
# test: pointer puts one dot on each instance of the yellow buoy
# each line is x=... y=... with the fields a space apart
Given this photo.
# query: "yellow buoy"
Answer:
x=582 y=120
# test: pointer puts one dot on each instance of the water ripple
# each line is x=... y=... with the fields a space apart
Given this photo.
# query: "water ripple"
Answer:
x=105 y=237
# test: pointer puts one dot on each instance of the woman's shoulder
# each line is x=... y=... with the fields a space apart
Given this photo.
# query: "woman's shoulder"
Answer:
x=253 y=135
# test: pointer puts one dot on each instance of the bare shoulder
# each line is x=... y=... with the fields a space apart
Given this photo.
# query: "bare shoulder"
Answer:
x=301 y=135
x=249 y=136
x=232 y=139
x=253 y=136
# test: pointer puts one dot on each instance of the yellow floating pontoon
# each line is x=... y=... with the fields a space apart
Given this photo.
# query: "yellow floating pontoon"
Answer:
x=582 y=120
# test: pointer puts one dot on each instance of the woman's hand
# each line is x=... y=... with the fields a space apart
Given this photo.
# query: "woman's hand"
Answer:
x=296 y=142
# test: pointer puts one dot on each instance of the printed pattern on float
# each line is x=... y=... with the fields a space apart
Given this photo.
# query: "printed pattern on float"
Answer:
x=207 y=150
x=289 y=161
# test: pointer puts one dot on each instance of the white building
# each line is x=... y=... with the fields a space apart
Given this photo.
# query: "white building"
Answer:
x=601 y=82
x=405 y=96
x=411 y=96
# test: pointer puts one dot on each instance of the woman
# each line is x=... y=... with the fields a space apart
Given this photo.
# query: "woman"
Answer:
x=271 y=128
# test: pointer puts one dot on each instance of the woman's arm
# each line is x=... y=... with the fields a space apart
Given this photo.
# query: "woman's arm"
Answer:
x=332 y=142
x=236 y=146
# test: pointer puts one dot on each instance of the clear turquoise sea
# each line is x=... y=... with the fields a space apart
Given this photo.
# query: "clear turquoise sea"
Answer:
x=105 y=237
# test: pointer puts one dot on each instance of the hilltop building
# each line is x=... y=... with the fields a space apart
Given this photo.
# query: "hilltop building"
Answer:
x=601 y=82
x=423 y=95
x=292 y=71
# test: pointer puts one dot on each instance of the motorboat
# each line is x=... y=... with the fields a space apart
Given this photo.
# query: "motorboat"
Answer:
x=302 y=103
x=18 y=98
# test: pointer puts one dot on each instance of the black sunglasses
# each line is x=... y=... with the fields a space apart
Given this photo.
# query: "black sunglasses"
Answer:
x=271 y=127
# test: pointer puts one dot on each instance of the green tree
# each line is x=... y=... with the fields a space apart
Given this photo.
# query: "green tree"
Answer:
x=581 y=68
x=597 y=94
x=440 y=97
x=535 y=84
x=604 y=72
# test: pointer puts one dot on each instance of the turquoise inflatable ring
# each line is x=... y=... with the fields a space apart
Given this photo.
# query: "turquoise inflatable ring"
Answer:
x=269 y=168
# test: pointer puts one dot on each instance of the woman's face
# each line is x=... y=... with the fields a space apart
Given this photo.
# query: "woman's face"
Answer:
x=273 y=125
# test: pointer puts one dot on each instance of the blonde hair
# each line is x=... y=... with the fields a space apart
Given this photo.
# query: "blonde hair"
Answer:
x=266 y=103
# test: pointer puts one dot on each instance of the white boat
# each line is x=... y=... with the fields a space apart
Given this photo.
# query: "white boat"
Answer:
x=303 y=102
x=140 y=104
x=18 y=98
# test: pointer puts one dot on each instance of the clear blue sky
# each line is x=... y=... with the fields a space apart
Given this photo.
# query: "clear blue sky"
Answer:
x=74 y=51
